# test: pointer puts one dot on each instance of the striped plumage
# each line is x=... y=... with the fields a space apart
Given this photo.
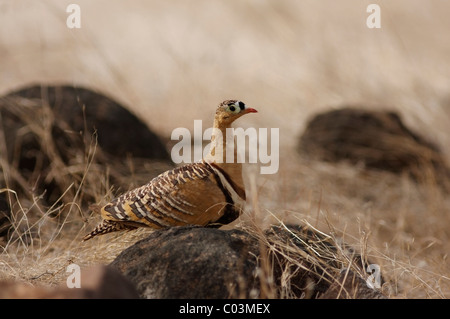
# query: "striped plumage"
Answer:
x=208 y=193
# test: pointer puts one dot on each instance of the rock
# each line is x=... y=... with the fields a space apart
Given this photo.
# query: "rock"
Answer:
x=98 y=282
x=307 y=261
x=377 y=139
x=191 y=262
x=50 y=137
x=195 y=262
x=5 y=215
x=351 y=286
x=120 y=133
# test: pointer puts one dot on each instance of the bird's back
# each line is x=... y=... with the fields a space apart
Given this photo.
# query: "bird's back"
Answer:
x=192 y=194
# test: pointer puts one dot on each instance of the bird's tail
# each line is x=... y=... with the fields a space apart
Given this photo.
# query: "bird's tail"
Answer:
x=106 y=226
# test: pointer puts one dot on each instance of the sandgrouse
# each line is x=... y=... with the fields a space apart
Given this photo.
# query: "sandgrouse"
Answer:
x=206 y=193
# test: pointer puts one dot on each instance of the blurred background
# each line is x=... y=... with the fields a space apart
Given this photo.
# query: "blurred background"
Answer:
x=172 y=62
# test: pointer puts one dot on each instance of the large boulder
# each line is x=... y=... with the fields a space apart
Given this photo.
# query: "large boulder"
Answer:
x=81 y=111
x=187 y=262
x=195 y=262
x=377 y=139
x=55 y=139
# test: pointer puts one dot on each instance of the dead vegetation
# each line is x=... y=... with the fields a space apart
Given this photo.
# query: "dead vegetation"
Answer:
x=289 y=59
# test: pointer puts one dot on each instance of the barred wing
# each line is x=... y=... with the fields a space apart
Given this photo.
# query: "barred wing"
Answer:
x=189 y=195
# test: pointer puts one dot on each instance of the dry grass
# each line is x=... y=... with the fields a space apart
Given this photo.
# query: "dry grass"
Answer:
x=392 y=221
x=171 y=63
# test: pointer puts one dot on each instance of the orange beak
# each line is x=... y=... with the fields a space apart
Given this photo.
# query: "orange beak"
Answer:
x=250 y=110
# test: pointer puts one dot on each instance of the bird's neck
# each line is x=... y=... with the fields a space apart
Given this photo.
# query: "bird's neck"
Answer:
x=223 y=152
x=221 y=145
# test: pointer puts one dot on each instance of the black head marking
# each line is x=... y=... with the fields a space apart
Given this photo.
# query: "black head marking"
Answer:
x=241 y=105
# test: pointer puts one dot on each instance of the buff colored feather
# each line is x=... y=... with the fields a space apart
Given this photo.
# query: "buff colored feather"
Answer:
x=207 y=193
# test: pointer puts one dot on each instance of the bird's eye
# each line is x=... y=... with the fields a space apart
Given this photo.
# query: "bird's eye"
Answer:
x=233 y=108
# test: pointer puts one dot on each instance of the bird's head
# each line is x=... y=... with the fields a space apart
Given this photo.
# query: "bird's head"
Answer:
x=230 y=110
